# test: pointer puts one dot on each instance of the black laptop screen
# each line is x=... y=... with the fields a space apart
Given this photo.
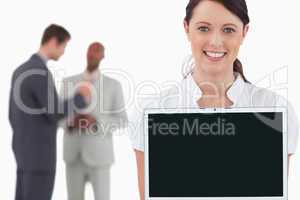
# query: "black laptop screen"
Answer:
x=215 y=155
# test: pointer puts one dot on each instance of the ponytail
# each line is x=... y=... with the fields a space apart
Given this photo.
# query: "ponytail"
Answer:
x=238 y=67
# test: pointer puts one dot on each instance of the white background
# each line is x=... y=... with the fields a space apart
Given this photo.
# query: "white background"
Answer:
x=146 y=40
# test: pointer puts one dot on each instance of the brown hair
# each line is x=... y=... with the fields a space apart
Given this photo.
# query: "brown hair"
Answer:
x=238 y=8
x=55 y=31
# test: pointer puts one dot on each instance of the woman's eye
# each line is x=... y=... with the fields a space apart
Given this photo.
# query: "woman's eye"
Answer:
x=229 y=30
x=203 y=29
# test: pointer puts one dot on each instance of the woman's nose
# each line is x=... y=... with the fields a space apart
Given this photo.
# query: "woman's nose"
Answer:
x=216 y=40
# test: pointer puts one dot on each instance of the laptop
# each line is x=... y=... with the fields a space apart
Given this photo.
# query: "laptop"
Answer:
x=216 y=154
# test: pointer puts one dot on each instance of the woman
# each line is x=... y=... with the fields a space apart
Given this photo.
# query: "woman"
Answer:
x=215 y=30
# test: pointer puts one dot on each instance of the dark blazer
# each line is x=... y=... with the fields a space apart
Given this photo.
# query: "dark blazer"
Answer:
x=34 y=112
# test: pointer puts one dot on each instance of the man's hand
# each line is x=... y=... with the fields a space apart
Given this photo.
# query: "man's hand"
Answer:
x=82 y=121
x=85 y=90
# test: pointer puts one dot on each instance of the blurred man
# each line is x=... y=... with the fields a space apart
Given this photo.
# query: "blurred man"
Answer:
x=34 y=112
x=88 y=146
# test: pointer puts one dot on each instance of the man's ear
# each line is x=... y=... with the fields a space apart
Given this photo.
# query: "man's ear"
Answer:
x=186 y=29
x=245 y=32
x=51 y=42
x=54 y=42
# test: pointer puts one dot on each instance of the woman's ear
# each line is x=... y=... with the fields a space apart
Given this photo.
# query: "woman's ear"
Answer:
x=186 y=29
x=245 y=32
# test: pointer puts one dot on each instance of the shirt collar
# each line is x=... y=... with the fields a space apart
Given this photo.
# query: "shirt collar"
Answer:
x=190 y=87
x=43 y=58
x=235 y=91
x=95 y=75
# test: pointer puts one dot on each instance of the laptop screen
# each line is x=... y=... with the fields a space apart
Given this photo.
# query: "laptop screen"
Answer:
x=215 y=154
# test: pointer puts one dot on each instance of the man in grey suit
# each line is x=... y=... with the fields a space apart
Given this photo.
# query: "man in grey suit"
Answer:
x=34 y=112
x=88 y=145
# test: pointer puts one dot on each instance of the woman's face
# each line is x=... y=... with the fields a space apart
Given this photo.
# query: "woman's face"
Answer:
x=215 y=35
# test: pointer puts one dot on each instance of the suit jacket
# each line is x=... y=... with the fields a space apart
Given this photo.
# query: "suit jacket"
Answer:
x=34 y=112
x=95 y=146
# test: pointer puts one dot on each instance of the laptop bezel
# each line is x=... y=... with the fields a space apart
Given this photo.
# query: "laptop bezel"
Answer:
x=216 y=110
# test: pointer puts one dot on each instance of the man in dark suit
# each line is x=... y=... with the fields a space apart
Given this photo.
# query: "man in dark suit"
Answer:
x=34 y=112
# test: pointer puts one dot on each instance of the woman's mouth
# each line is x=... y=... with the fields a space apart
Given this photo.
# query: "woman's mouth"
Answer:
x=215 y=56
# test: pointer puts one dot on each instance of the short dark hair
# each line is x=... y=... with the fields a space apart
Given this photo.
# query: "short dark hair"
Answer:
x=55 y=31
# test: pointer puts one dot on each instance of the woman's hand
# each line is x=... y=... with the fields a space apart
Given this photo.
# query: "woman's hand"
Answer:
x=140 y=167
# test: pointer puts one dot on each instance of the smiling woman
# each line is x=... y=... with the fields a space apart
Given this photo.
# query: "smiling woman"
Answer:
x=215 y=29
